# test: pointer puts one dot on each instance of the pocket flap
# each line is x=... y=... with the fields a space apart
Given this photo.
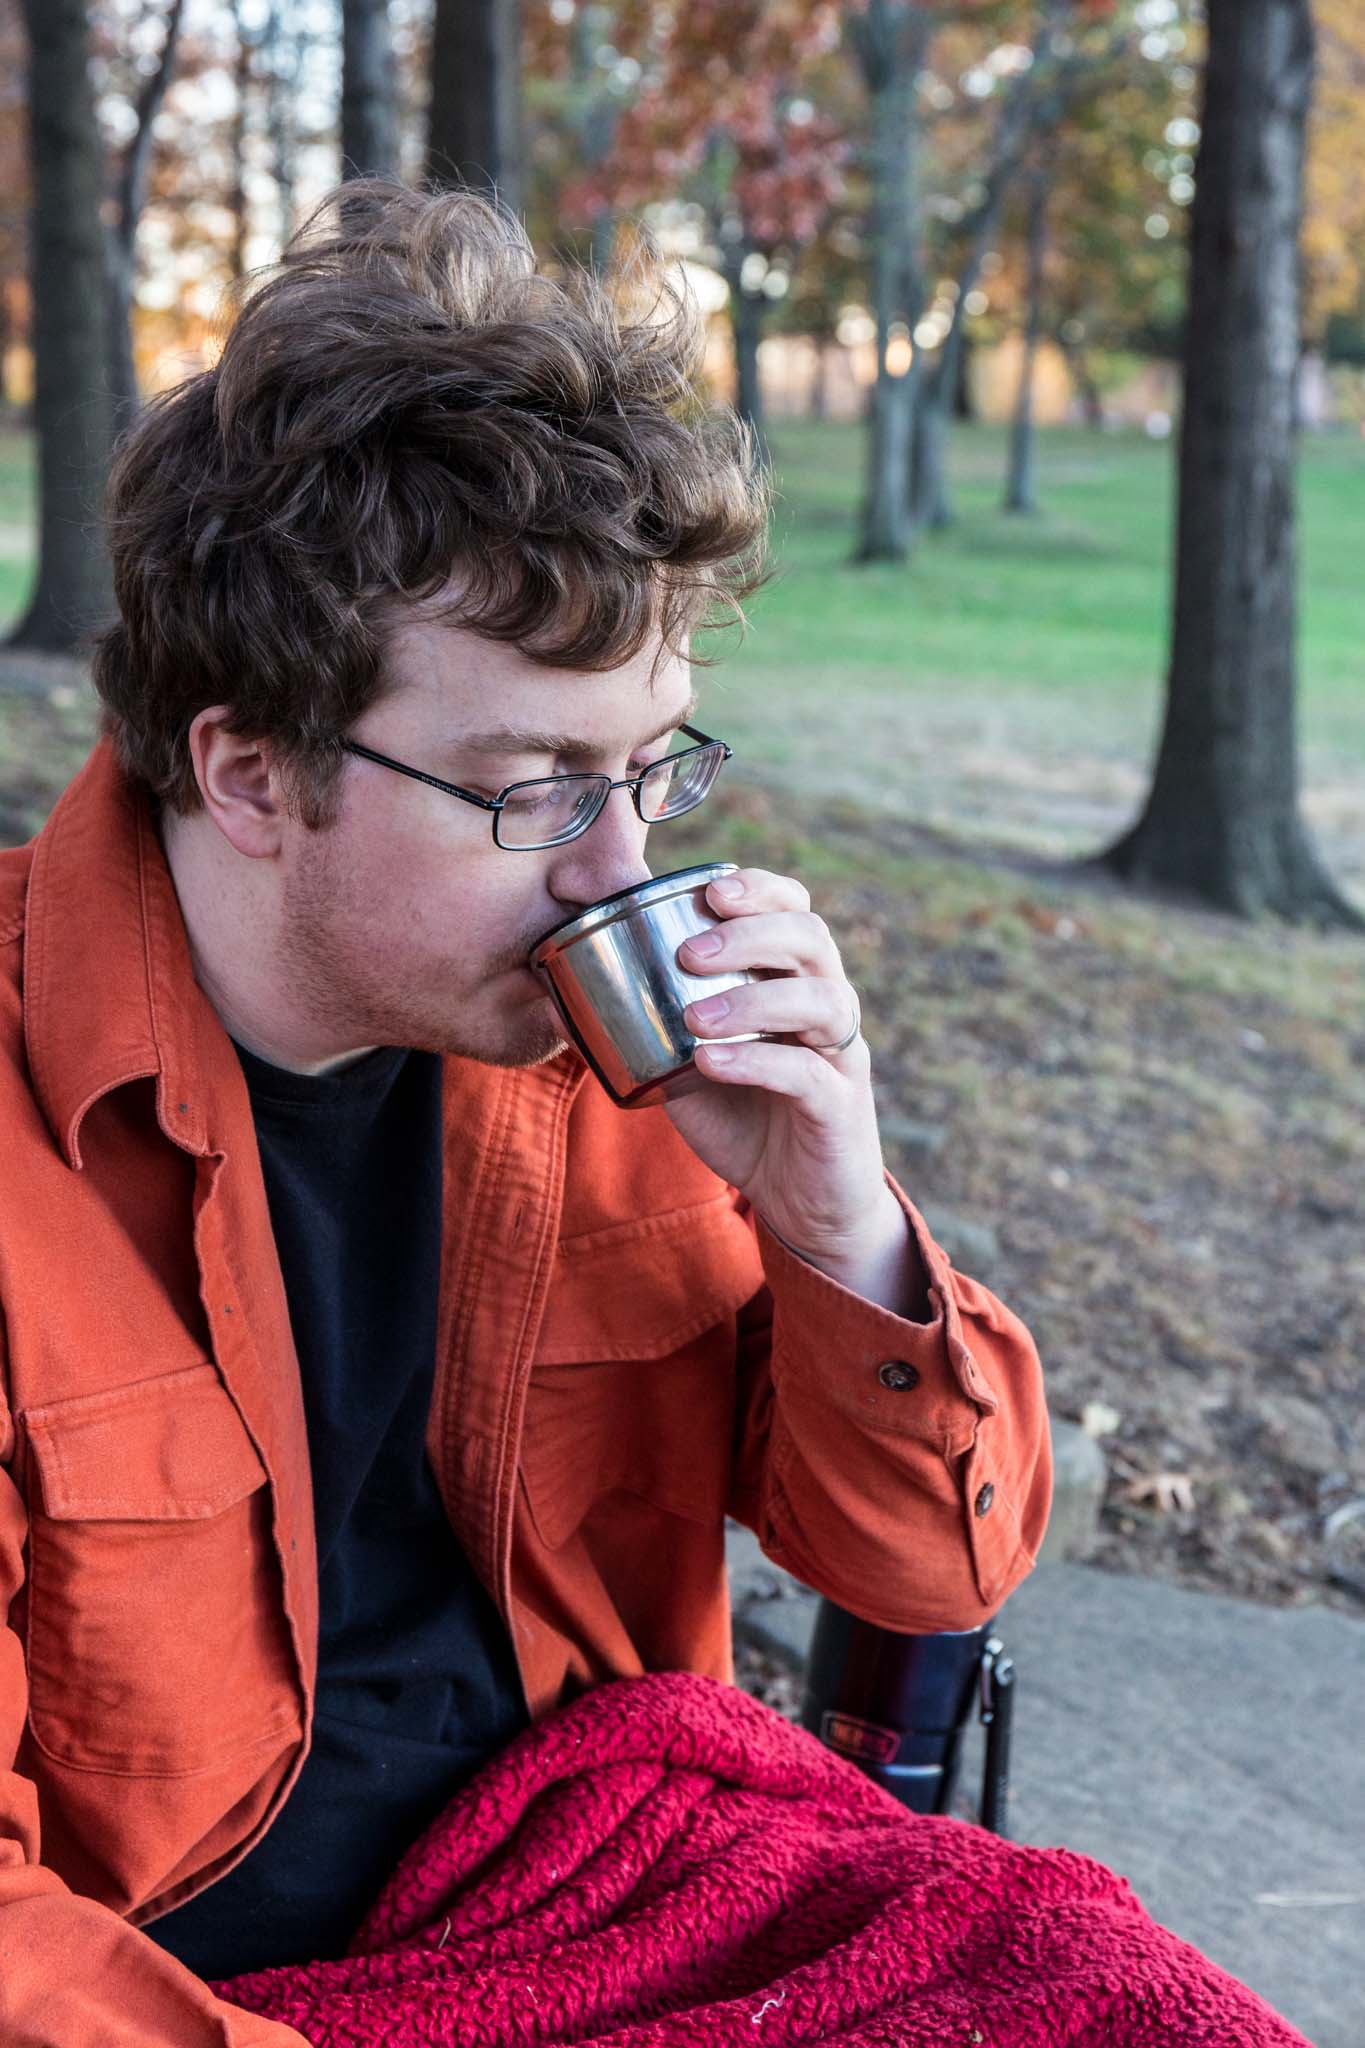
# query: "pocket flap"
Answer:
x=161 y=1450
x=642 y=1289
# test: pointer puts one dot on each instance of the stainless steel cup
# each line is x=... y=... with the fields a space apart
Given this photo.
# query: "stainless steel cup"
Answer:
x=613 y=972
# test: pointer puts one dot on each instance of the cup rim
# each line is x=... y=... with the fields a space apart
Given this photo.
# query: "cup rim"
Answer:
x=680 y=882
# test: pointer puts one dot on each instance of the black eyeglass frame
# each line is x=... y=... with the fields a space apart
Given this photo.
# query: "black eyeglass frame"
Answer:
x=497 y=803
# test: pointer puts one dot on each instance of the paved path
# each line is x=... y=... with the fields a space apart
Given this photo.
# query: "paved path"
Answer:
x=1211 y=1750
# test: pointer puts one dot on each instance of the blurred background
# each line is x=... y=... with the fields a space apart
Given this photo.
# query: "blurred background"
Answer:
x=1066 y=736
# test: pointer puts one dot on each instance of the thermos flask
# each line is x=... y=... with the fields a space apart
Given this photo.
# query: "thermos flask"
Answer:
x=897 y=1705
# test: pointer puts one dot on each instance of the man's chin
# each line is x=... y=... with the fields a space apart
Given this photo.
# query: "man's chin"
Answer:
x=511 y=1022
x=537 y=1033
x=529 y=1040
x=550 y=1028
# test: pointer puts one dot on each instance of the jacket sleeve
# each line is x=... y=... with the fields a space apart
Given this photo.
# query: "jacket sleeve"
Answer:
x=72 y=1973
x=903 y=1470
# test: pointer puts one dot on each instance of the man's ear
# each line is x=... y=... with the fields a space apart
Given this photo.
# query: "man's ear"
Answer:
x=239 y=784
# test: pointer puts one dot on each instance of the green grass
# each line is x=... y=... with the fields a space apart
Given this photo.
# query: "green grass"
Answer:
x=1074 y=601
x=18 y=491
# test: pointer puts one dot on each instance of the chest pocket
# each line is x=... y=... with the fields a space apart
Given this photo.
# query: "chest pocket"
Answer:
x=634 y=1383
x=156 y=1639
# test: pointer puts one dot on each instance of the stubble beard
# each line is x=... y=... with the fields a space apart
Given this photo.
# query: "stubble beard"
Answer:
x=336 y=977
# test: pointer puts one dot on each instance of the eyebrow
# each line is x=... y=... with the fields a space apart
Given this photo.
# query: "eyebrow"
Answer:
x=516 y=739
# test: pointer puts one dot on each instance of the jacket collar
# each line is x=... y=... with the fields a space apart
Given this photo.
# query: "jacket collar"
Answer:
x=109 y=988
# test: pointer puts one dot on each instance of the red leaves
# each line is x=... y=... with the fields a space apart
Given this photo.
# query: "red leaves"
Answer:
x=723 y=87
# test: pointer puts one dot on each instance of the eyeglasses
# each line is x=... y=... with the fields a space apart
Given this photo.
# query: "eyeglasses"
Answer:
x=553 y=808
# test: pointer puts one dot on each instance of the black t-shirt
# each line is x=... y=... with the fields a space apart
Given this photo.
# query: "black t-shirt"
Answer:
x=417 y=1682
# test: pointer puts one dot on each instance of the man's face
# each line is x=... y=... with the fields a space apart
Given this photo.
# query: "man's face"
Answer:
x=404 y=924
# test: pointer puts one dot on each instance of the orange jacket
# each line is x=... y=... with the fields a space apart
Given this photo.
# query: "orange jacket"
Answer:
x=624 y=1356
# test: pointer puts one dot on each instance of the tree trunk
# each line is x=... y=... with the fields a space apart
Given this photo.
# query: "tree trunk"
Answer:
x=929 y=500
x=369 y=92
x=1222 y=820
x=817 y=402
x=238 y=206
x=1083 y=377
x=475 y=133
x=595 y=124
x=72 y=411
x=1034 y=105
x=746 y=325
x=891 y=43
x=1021 y=489
x=929 y=503
x=964 y=404
x=121 y=247
x=282 y=51
x=124 y=395
x=602 y=239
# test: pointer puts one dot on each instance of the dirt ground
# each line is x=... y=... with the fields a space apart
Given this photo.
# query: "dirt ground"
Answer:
x=1155 y=1118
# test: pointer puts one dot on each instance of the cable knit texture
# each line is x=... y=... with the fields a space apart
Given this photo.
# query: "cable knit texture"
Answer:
x=668 y=1862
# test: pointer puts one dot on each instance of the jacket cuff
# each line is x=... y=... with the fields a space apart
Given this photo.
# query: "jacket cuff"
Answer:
x=887 y=1373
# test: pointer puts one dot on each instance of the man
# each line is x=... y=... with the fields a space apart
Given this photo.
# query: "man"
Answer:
x=373 y=1383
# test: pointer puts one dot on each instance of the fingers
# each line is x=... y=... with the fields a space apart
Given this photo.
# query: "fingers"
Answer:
x=785 y=941
x=756 y=889
x=768 y=926
x=819 y=1012
x=792 y=1070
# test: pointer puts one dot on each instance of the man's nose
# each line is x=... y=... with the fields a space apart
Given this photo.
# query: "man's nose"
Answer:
x=609 y=856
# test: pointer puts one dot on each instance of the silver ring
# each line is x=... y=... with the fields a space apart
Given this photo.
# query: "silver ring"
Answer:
x=846 y=1042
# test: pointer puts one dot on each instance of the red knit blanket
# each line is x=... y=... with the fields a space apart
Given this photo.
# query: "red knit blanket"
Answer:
x=668 y=1862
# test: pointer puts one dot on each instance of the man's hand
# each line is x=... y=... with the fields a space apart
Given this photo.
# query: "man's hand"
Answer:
x=794 y=1129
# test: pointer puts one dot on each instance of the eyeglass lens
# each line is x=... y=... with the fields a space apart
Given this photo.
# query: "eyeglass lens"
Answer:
x=541 y=812
x=675 y=785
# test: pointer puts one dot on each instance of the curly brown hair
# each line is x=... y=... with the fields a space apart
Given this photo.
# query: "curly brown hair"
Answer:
x=407 y=403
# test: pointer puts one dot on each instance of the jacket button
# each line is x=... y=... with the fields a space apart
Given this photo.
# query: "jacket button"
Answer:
x=984 y=1499
x=897 y=1375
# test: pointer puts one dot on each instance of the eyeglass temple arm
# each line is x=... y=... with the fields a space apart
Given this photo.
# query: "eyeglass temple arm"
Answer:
x=471 y=796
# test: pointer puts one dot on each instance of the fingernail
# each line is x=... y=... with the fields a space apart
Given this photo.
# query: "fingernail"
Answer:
x=720 y=1054
x=708 y=943
x=710 y=1009
x=728 y=887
